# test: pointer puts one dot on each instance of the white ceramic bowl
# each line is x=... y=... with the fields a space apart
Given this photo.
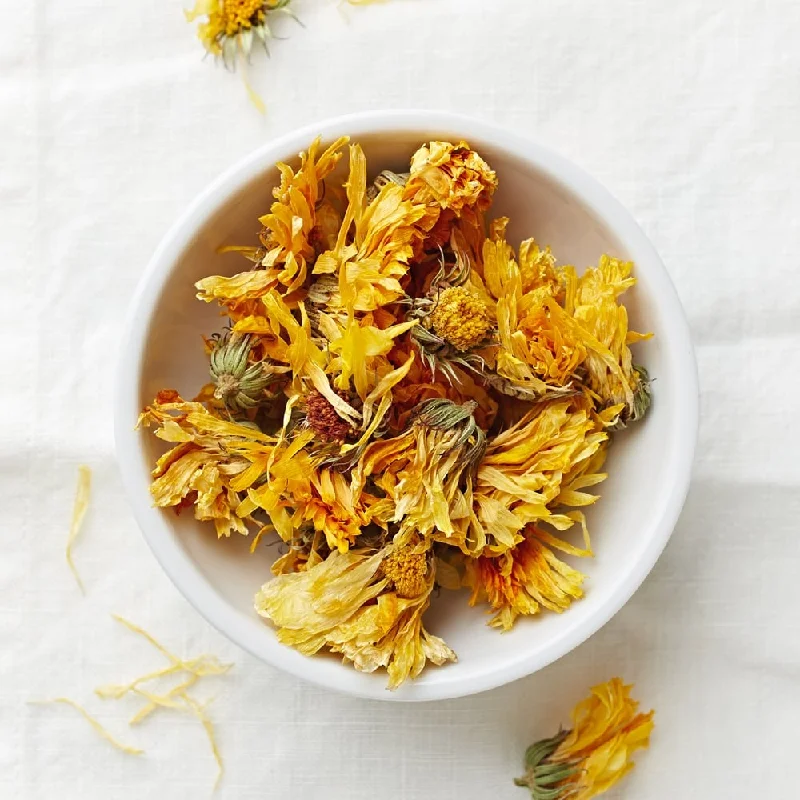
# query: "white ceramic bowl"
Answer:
x=649 y=466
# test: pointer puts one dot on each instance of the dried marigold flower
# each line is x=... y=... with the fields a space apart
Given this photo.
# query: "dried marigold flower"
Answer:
x=589 y=759
x=525 y=579
x=323 y=419
x=460 y=317
x=451 y=176
x=232 y=26
x=340 y=603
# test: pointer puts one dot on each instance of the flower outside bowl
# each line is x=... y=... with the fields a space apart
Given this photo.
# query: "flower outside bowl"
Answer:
x=649 y=465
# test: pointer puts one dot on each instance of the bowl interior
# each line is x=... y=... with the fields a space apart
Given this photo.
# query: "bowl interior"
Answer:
x=622 y=523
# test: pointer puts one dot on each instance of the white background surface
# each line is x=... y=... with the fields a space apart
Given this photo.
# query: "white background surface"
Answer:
x=110 y=122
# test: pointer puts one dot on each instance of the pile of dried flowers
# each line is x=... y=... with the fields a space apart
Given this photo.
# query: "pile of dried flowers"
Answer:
x=406 y=402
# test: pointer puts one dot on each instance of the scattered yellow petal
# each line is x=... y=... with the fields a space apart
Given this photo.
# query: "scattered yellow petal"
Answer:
x=78 y=513
x=197 y=667
x=142 y=632
x=134 y=751
x=176 y=698
x=201 y=665
x=259 y=536
x=160 y=701
x=200 y=712
x=114 y=691
x=252 y=95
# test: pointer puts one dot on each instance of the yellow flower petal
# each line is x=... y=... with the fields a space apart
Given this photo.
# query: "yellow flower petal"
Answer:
x=78 y=513
x=356 y=346
x=100 y=729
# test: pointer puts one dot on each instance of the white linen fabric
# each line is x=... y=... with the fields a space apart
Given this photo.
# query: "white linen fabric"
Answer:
x=111 y=123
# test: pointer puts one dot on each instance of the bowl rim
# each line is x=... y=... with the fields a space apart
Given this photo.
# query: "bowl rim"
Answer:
x=176 y=562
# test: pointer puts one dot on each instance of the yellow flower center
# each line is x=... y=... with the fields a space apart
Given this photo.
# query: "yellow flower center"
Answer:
x=407 y=571
x=235 y=16
x=460 y=318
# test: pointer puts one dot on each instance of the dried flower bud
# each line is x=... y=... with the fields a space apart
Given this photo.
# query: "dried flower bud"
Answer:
x=642 y=398
x=548 y=780
x=457 y=420
x=239 y=384
x=641 y=394
x=384 y=178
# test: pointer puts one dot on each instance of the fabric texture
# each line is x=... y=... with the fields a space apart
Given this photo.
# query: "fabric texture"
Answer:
x=112 y=122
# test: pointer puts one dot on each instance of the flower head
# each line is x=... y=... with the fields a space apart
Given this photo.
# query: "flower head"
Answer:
x=287 y=236
x=424 y=469
x=521 y=476
x=451 y=176
x=324 y=498
x=595 y=754
x=213 y=462
x=346 y=604
x=536 y=354
x=376 y=243
x=553 y=353
x=525 y=579
x=425 y=382
x=231 y=24
x=602 y=322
